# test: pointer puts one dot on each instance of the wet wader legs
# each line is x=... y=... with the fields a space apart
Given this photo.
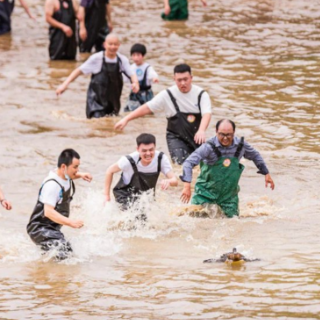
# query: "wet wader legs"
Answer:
x=179 y=150
x=6 y=9
x=61 y=245
x=179 y=10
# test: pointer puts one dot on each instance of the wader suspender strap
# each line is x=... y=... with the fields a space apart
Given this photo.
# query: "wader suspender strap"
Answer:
x=133 y=164
x=199 y=99
x=120 y=65
x=51 y=180
x=144 y=80
x=173 y=99
x=73 y=189
x=215 y=149
x=159 y=161
x=240 y=146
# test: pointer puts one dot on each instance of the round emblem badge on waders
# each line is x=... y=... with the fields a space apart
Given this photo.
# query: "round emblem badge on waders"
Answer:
x=226 y=162
x=65 y=5
x=191 y=118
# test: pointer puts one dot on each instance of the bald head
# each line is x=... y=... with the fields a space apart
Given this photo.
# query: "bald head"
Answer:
x=111 y=45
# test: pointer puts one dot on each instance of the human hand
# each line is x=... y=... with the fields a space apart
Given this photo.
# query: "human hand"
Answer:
x=108 y=198
x=204 y=2
x=6 y=204
x=200 y=137
x=155 y=80
x=165 y=183
x=61 y=89
x=135 y=87
x=186 y=193
x=269 y=180
x=76 y=224
x=86 y=176
x=121 y=124
x=83 y=33
x=67 y=30
x=167 y=10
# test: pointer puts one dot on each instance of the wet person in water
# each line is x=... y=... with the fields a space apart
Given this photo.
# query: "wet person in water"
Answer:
x=106 y=67
x=140 y=172
x=94 y=24
x=53 y=206
x=61 y=16
x=6 y=9
x=218 y=182
x=188 y=111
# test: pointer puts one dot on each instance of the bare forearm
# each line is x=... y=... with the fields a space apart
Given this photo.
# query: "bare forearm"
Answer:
x=53 y=22
x=81 y=16
x=73 y=75
x=108 y=182
x=206 y=118
x=173 y=182
x=108 y=12
x=140 y=112
x=25 y=7
x=166 y=2
x=56 y=217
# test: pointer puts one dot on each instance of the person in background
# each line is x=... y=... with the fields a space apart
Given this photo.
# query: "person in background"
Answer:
x=94 y=24
x=177 y=9
x=61 y=16
x=146 y=76
x=6 y=9
x=106 y=67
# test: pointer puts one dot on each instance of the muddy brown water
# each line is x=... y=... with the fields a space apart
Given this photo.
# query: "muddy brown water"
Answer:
x=259 y=61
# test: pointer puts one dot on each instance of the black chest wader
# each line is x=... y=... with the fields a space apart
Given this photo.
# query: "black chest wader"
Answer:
x=96 y=25
x=62 y=47
x=104 y=92
x=46 y=233
x=181 y=129
x=144 y=95
x=126 y=194
x=6 y=8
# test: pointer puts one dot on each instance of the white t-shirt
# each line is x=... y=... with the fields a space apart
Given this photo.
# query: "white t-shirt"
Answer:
x=187 y=102
x=140 y=70
x=51 y=192
x=127 y=171
x=94 y=64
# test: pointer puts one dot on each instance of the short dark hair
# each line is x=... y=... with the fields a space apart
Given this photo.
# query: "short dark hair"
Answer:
x=145 y=138
x=67 y=156
x=138 y=48
x=227 y=120
x=182 y=68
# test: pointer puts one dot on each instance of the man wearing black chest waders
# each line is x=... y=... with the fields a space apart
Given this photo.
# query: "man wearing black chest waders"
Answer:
x=188 y=111
x=140 y=172
x=105 y=88
x=61 y=16
x=53 y=206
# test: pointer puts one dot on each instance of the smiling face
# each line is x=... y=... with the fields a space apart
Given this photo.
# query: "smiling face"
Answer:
x=146 y=152
x=225 y=133
x=111 y=45
x=72 y=169
x=183 y=81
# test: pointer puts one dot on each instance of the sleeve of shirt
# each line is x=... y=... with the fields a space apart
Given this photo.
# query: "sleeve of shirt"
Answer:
x=152 y=74
x=51 y=193
x=193 y=160
x=125 y=66
x=158 y=102
x=92 y=65
x=165 y=165
x=123 y=163
x=205 y=104
x=252 y=154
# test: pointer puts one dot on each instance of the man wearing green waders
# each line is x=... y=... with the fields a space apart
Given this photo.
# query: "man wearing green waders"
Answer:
x=221 y=170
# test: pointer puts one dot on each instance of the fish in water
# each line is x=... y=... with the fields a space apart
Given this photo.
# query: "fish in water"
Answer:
x=233 y=256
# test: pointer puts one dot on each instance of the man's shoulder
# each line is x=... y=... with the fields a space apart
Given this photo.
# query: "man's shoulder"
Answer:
x=122 y=57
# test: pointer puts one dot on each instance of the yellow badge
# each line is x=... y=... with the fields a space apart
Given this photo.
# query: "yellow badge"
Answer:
x=227 y=162
x=191 y=118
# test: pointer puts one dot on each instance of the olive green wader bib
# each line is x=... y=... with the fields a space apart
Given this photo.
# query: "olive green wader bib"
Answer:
x=179 y=10
x=218 y=183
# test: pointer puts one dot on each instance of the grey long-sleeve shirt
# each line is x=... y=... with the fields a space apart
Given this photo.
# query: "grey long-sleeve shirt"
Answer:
x=206 y=154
